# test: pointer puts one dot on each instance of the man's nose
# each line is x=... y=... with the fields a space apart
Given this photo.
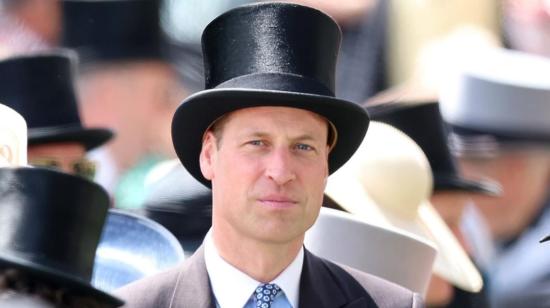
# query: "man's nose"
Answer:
x=280 y=167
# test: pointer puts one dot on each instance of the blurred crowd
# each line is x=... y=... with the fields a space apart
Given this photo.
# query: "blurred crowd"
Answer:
x=448 y=195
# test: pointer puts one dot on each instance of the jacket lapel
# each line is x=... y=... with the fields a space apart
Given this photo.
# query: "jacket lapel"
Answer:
x=323 y=284
x=192 y=288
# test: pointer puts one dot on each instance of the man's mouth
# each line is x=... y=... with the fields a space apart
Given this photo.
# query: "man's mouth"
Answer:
x=278 y=201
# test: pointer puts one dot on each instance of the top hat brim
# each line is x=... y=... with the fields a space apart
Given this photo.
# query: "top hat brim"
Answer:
x=196 y=113
x=90 y=138
x=74 y=285
x=120 y=259
x=454 y=183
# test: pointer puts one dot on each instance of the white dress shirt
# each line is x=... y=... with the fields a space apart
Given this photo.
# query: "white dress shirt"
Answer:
x=233 y=288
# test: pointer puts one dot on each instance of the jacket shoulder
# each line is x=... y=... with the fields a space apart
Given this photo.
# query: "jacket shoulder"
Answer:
x=154 y=291
x=383 y=292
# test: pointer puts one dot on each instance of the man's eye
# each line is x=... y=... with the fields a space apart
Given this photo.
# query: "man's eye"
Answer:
x=256 y=142
x=304 y=147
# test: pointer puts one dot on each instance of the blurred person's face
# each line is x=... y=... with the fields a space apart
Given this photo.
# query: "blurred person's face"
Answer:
x=527 y=25
x=343 y=11
x=43 y=17
x=450 y=205
x=440 y=292
x=525 y=178
x=66 y=157
x=136 y=100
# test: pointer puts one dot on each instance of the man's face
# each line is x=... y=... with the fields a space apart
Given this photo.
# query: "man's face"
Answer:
x=132 y=97
x=450 y=205
x=268 y=172
x=527 y=25
x=524 y=177
x=67 y=157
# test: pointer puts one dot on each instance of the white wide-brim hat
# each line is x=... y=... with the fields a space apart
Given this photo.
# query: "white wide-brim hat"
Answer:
x=13 y=138
x=388 y=182
x=346 y=239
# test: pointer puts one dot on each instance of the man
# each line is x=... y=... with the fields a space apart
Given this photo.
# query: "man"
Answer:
x=50 y=225
x=525 y=25
x=40 y=88
x=28 y=26
x=265 y=136
x=498 y=111
x=127 y=83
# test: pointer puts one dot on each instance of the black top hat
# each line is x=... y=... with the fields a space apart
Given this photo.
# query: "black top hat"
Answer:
x=50 y=225
x=268 y=54
x=423 y=123
x=114 y=30
x=40 y=87
x=181 y=204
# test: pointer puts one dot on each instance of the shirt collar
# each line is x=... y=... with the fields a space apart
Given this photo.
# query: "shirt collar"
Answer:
x=233 y=288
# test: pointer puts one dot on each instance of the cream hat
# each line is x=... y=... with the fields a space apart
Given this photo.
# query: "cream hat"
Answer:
x=388 y=182
x=13 y=138
x=346 y=239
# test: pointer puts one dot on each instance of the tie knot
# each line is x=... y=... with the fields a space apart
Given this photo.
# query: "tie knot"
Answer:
x=265 y=294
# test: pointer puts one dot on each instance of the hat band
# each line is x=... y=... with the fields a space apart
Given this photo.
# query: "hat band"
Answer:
x=467 y=142
x=278 y=82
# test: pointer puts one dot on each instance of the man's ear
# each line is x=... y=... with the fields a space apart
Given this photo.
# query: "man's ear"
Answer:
x=207 y=156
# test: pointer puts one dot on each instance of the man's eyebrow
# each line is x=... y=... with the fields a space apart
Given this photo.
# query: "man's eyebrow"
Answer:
x=261 y=134
x=255 y=134
x=305 y=137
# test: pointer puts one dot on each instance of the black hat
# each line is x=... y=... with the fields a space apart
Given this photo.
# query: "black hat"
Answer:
x=40 y=87
x=113 y=30
x=422 y=122
x=268 y=54
x=50 y=225
x=181 y=204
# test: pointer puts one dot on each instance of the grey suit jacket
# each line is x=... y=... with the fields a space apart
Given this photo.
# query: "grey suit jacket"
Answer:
x=323 y=285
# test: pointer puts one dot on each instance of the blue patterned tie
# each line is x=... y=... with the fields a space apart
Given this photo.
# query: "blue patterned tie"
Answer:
x=265 y=294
